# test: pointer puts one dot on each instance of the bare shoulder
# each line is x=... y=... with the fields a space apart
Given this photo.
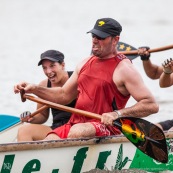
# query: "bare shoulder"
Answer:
x=125 y=62
x=125 y=67
x=126 y=76
x=43 y=83
x=80 y=65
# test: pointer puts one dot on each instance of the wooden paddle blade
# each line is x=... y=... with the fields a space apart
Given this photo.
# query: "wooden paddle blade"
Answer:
x=126 y=47
x=146 y=136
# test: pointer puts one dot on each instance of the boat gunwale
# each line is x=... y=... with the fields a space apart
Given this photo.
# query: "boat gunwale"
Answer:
x=35 y=145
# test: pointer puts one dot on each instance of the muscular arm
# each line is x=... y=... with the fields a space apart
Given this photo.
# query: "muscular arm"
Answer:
x=61 y=95
x=130 y=82
x=166 y=80
x=152 y=71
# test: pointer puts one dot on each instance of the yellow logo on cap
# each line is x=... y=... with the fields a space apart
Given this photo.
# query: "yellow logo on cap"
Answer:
x=101 y=23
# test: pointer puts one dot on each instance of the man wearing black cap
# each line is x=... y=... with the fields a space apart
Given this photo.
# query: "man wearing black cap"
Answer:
x=53 y=65
x=102 y=84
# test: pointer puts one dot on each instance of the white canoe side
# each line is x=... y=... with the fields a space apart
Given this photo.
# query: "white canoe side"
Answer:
x=9 y=134
x=78 y=156
x=9 y=125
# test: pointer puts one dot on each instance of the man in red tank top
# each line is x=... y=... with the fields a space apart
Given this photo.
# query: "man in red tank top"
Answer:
x=102 y=83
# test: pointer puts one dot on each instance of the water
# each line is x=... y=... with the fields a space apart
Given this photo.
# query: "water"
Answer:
x=28 y=28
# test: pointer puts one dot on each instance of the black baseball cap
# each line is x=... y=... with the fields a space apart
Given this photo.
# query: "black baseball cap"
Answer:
x=106 y=27
x=52 y=55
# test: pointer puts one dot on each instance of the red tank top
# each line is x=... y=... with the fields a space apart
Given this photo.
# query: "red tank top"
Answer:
x=96 y=88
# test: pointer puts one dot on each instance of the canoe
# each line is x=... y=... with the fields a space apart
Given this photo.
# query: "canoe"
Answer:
x=79 y=156
x=9 y=125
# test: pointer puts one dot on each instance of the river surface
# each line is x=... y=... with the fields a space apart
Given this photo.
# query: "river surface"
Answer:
x=28 y=28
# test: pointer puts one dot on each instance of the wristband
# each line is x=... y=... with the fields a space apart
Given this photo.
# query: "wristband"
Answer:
x=144 y=57
x=118 y=113
x=166 y=71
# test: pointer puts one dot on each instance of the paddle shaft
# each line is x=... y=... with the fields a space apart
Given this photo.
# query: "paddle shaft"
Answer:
x=39 y=110
x=134 y=52
x=62 y=107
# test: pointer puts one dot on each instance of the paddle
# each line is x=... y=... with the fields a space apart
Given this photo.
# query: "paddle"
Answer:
x=22 y=92
x=37 y=111
x=132 y=52
x=146 y=136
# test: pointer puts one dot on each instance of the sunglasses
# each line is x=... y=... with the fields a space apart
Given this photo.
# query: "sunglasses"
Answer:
x=98 y=38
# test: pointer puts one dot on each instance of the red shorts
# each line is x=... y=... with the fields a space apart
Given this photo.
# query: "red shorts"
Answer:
x=101 y=130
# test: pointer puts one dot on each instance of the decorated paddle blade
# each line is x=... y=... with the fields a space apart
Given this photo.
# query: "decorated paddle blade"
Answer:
x=146 y=136
x=126 y=47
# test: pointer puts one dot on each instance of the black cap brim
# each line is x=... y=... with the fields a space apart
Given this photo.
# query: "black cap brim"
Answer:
x=100 y=34
x=51 y=59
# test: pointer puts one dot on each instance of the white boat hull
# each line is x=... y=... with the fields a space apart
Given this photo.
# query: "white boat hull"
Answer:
x=78 y=156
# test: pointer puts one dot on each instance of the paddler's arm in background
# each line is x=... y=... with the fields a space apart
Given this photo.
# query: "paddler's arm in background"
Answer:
x=129 y=81
x=153 y=71
x=166 y=78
